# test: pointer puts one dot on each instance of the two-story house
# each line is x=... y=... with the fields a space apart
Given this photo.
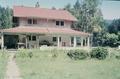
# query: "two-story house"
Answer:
x=39 y=26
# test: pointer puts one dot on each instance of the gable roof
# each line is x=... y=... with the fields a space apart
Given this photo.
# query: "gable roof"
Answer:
x=21 y=11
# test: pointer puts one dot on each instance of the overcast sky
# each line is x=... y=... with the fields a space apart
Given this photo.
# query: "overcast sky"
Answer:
x=110 y=9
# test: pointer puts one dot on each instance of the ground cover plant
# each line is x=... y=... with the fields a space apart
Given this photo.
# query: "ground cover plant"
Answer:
x=55 y=64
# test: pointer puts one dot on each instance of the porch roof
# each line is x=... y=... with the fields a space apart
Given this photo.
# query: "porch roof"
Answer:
x=44 y=30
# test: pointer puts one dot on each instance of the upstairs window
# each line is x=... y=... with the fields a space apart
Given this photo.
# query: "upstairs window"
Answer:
x=29 y=21
x=32 y=21
x=60 y=23
x=57 y=23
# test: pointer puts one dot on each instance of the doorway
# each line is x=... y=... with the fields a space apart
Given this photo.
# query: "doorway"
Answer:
x=10 y=41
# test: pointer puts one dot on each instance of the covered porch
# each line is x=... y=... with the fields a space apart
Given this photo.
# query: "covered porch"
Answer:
x=35 y=38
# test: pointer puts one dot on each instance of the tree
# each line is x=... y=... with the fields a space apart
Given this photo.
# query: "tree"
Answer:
x=53 y=8
x=37 y=4
x=111 y=40
x=114 y=27
x=5 y=17
x=68 y=7
x=88 y=14
x=77 y=5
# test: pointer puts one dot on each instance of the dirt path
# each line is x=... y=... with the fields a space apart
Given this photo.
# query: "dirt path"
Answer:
x=12 y=69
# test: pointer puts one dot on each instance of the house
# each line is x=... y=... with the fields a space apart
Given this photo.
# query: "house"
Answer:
x=40 y=26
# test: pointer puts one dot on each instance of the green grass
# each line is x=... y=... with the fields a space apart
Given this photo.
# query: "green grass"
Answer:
x=3 y=64
x=55 y=64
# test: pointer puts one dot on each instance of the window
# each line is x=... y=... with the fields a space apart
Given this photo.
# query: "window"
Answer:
x=29 y=37
x=54 y=39
x=32 y=21
x=33 y=38
x=57 y=23
x=29 y=21
x=62 y=23
x=72 y=40
x=60 y=39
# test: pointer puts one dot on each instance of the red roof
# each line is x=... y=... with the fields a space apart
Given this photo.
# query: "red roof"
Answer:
x=20 y=11
x=44 y=30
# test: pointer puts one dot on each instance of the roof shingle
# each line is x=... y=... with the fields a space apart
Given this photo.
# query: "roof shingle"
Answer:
x=44 y=30
x=20 y=11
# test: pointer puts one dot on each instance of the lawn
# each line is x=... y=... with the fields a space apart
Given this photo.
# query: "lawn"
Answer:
x=3 y=64
x=53 y=64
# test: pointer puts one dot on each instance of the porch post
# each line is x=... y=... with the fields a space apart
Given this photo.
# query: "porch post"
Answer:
x=70 y=42
x=88 y=41
x=75 y=41
x=26 y=42
x=81 y=41
x=58 y=41
x=2 y=41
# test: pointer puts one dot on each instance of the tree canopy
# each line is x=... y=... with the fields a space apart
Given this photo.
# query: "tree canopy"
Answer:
x=5 y=17
x=89 y=15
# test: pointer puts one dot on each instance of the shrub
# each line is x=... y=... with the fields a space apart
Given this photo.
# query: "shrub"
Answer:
x=116 y=54
x=30 y=54
x=45 y=42
x=54 y=53
x=77 y=54
x=99 y=53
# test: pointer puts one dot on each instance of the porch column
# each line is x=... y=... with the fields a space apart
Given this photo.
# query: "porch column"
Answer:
x=88 y=41
x=2 y=41
x=58 y=41
x=81 y=41
x=75 y=41
x=70 y=42
x=26 y=42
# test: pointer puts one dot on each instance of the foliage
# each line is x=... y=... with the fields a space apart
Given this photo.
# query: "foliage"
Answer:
x=99 y=53
x=37 y=4
x=45 y=42
x=77 y=54
x=24 y=54
x=5 y=17
x=114 y=27
x=3 y=64
x=88 y=14
x=41 y=67
x=111 y=40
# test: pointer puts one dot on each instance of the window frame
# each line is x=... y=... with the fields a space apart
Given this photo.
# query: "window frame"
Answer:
x=62 y=23
x=57 y=23
x=32 y=21
x=33 y=39
x=54 y=39
x=29 y=21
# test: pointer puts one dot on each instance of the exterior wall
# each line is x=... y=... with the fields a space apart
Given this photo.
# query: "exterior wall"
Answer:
x=44 y=23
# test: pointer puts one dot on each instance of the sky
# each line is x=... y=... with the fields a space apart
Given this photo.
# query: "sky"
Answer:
x=110 y=9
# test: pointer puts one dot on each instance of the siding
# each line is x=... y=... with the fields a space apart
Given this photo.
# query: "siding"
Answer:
x=44 y=23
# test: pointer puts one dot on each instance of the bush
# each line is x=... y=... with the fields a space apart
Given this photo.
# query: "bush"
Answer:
x=77 y=54
x=45 y=42
x=30 y=54
x=99 y=53
x=116 y=53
